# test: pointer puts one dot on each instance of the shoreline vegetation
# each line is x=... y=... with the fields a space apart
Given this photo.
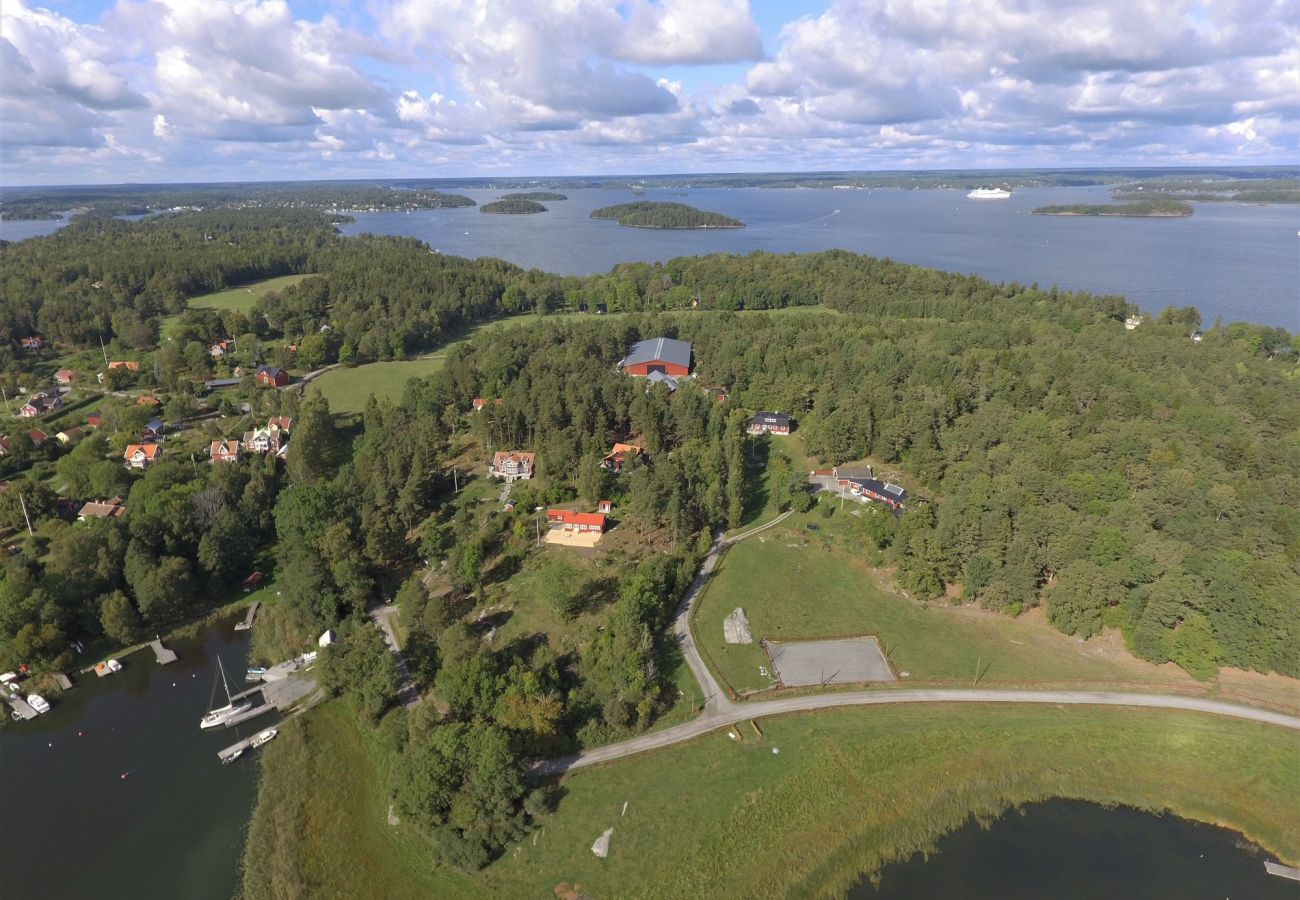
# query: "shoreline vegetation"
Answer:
x=653 y=214
x=1156 y=208
x=539 y=196
x=515 y=207
x=850 y=791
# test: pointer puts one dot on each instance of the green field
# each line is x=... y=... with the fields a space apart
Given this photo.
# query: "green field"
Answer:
x=794 y=584
x=243 y=297
x=347 y=390
x=850 y=790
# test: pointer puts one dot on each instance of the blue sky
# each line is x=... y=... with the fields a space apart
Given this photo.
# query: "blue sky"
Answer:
x=182 y=90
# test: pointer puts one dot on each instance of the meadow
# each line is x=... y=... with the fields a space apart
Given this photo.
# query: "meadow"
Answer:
x=849 y=791
x=244 y=296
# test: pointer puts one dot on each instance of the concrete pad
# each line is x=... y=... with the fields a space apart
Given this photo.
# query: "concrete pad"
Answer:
x=842 y=661
x=572 y=538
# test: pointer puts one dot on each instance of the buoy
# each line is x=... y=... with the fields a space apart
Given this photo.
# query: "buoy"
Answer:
x=51 y=744
x=124 y=776
x=81 y=734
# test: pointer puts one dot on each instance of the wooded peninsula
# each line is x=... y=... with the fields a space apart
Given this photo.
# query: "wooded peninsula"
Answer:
x=1154 y=208
x=653 y=214
x=540 y=196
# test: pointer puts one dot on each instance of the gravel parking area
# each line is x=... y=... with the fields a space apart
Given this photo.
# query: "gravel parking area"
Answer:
x=843 y=661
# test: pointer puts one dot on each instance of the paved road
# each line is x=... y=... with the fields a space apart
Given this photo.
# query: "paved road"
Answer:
x=720 y=710
x=382 y=616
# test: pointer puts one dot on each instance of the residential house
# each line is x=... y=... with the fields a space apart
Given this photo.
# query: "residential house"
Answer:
x=102 y=509
x=478 y=404
x=40 y=404
x=94 y=419
x=217 y=384
x=32 y=343
x=1133 y=322
x=769 y=423
x=568 y=520
x=253 y=582
x=666 y=355
x=620 y=456
x=226 y=451
x=154 y=428
x=284 y=423
x=148 y=400
x=221 y=348
x=70 y=436
x=658 y=377
x=272 y=438
x=142 y=456
x=38 y=437
x=271 y=376
x=512 y=465
x=860 y=481
x=65 y=376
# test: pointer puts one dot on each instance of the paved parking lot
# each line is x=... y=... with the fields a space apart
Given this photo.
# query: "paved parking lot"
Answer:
x=842 y=661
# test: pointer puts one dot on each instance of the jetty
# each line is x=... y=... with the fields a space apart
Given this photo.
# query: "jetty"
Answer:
x=1282 y=871
x=161 y=653
x=284 y=686
x=248 y=619
x=22 y=709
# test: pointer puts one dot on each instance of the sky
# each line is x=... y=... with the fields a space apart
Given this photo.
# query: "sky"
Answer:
x=231 y=90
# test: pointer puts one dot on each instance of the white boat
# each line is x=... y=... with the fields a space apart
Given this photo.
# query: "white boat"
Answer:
x=263 y=737
x=989 y=194
x=38 y=703
x=114 y=666
x=227 y=760
x=222 y=715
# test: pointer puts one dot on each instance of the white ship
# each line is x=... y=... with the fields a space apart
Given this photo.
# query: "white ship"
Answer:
x=989 y=194
x=223 y=714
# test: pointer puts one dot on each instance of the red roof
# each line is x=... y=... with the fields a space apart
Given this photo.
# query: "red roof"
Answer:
x=570 y=517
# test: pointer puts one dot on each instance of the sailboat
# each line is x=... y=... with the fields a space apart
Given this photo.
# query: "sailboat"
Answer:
x=223 y=714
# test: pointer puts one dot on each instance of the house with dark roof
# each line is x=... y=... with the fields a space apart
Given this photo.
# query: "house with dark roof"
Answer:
x=769 y=423
x=271 y=376
x=667 y=355
x=216 y=384
x=860 y=481
x=658 y=377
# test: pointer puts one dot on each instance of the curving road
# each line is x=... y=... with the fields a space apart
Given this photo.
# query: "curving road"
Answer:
x=720 y=711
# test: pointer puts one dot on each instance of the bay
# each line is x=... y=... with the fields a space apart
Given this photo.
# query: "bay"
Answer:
x=173 y=827
x=1069 y=850
x=1235 y=261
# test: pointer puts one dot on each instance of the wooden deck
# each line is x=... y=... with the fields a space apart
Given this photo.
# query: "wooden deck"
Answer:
x=248 y=619
x=1282 y=871
x=161 y=653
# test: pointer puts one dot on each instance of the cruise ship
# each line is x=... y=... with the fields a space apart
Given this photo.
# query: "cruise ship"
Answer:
x=989 y=194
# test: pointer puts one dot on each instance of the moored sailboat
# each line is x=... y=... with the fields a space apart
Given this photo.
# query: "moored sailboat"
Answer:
x=222 y=715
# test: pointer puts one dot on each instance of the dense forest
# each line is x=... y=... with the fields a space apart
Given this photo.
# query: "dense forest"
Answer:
x=539 y=196
x=652 y=214
x=121 y=200
x=1148 y=207
x=515 y=207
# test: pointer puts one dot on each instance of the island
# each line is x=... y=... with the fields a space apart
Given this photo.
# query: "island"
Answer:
x=650 y=214
x=1155 y=208
x=506 y=207
x=542 y=196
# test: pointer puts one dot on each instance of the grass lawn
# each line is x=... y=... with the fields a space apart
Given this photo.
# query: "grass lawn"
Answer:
x=796 y=584
x=347 y=390
x=243 y=297
x=850 y=790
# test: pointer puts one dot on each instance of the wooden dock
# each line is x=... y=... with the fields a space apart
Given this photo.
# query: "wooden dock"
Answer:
x=248 y=619
x=284 y=686
x=161 y=653
x=1282 y=871
x=21 y=707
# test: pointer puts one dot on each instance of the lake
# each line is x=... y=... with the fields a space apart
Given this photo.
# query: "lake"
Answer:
x=1067 y=850
x=174 y=827
x=1237 y=261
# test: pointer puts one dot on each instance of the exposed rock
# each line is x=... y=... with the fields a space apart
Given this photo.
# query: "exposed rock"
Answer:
x=735 y=627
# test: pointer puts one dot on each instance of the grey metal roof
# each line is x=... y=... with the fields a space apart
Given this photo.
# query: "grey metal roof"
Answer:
x=662 y=349
x=770 y=418
x=656 y=377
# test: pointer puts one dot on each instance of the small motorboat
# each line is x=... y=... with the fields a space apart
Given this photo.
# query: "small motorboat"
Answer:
x=255 y=673
x=227 y=760
x=263 y=737
x=38 y=703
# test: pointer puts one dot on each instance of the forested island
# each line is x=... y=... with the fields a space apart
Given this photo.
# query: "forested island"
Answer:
x=540 y=196
x=1154 y=208
x=652 y=214
x=512 y=207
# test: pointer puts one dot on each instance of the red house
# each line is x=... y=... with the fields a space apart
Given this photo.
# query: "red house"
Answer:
x=271 y=376
x=664 y=355
x=617 y=458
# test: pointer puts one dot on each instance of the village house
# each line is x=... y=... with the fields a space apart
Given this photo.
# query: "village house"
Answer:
x=225 y=451
x=860 y=481
x=271 y=376
x=102 y=509
x=40 y=404
x=65 y=376
x=94 y=419
x=271 y=438
x=769 y=423
x=578 y=522
x=32 y=343
x=70 y=436
x=512 y=465
x=1132 y=322
x=216 y=384
x=221 y=348
x=142 y=456
x=148 y=400
x=619 y=457
x=666 y=355
x=660 y=378
x=478 y=404
x=154 y=428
